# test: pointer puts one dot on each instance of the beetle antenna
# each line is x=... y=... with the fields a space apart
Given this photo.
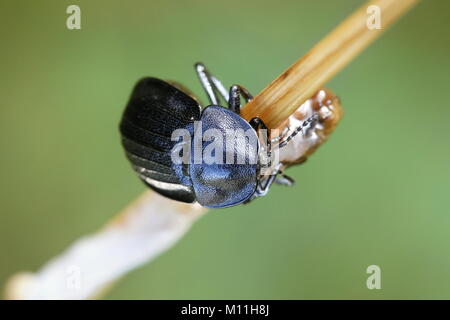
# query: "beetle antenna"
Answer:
x=312 y=120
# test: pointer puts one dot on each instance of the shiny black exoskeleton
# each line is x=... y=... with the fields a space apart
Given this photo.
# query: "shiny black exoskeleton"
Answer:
x=157 y=109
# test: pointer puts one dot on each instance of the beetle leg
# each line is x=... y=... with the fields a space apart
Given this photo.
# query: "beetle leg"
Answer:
x=262 y=190
x=245 y=93
x=278 y=178
x=206 y=83
x=234 y=101
x=219 y=87
x=210 y=84
x=284 y=180
x=258 y=124
x=281 y=136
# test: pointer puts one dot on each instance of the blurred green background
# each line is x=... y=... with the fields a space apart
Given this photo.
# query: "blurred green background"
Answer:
x=376 y=193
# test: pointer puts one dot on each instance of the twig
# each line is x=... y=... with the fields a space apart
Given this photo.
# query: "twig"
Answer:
x=149 y=226
x=152 y=224
x=300 y=81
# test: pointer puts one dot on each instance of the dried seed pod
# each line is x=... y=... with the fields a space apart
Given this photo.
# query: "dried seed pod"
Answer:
x=327 y=106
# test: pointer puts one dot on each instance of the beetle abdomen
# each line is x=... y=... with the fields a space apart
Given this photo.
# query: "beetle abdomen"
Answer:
x=154 y=111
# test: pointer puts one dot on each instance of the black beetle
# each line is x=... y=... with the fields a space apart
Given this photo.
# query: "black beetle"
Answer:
x=157 y=109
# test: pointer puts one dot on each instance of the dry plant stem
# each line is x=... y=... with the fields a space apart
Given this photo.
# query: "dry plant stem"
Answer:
x=148 y=227
x=306 y=76
x=152 y=224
